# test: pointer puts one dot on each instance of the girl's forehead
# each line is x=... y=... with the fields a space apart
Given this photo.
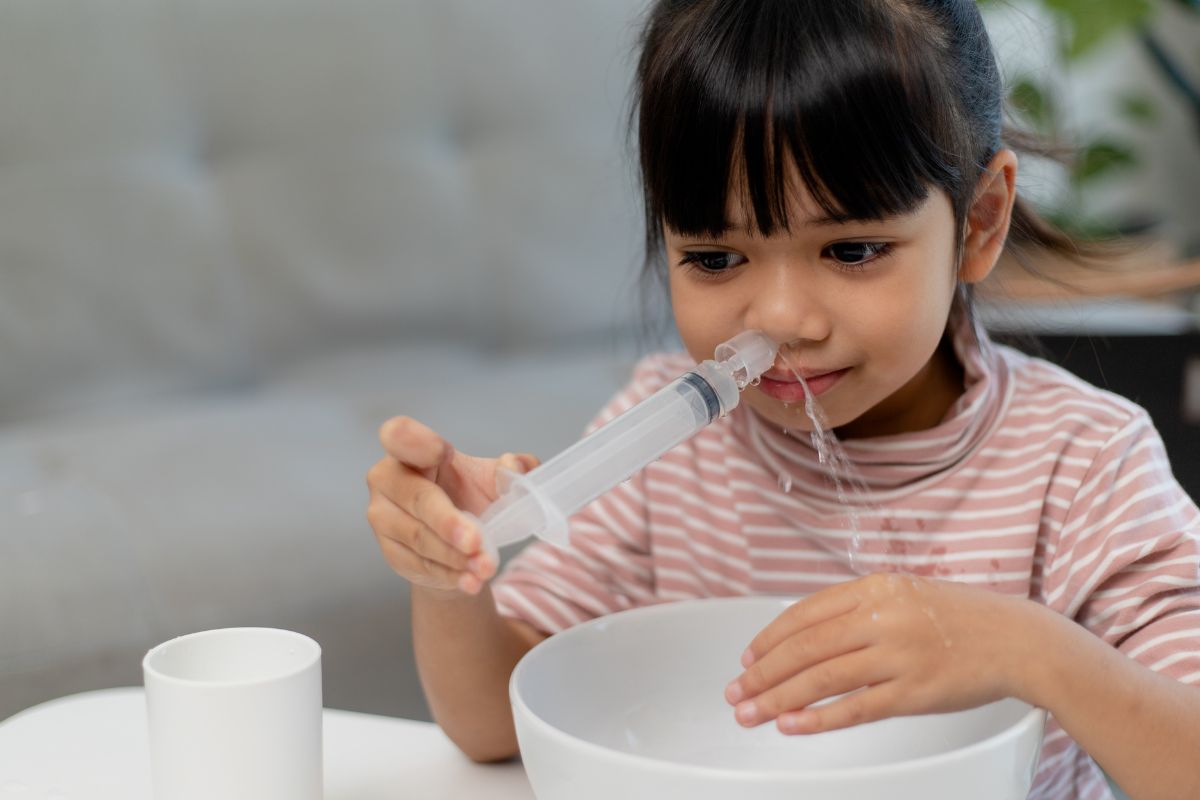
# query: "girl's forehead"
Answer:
x=804 y=214
x=802 y=207
x=802 y=210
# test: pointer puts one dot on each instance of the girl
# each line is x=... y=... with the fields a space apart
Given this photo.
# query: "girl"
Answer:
x=833 y=174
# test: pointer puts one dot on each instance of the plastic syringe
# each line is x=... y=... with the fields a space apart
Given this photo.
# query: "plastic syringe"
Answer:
x=538 y=503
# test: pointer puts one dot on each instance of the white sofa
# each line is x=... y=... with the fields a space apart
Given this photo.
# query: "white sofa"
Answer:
x=236 y=236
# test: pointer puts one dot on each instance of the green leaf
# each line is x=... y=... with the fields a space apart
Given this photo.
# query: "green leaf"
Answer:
x=1137 y=108
x=1079 y=227
x=1090 y=22
x=1100 y=158
x=1031 y=102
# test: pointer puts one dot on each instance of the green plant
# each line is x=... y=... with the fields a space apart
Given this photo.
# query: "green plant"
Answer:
x=1081 y=26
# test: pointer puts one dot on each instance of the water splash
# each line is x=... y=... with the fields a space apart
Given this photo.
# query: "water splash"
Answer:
x=845 y=476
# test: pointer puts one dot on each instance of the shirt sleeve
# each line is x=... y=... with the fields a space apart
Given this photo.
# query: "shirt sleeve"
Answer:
x=1127 y=561
x=608 y=566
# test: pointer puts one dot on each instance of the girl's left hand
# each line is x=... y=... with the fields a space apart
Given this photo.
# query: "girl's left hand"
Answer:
x=893 y=645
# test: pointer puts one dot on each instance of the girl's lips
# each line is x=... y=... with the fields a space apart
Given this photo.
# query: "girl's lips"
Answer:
x=793 y=391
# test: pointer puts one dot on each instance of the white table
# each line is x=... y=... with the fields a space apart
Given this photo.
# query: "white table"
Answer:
x=93 y=746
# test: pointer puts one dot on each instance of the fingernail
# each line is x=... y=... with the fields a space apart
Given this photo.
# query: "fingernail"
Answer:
x=481 y=566
x=747 y=658
x=798 y=721
x=463 y=537
x=734 y=693
x=746 y=712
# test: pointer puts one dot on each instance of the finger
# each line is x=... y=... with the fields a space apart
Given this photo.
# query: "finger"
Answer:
x=812 y=610
x=409 y=564
x=866 y=705
x=412 y=443
x=425 y=541
x=423 y=499
x=392 y=522
x=519 y=463
x=798 y=652
x=839 y=675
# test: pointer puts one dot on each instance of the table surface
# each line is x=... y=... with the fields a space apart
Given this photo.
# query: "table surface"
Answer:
x=93 y=745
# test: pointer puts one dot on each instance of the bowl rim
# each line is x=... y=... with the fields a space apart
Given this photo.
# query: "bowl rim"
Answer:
x=1034 y=716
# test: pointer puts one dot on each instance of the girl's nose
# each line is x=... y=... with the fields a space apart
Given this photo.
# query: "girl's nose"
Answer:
x=788 y=312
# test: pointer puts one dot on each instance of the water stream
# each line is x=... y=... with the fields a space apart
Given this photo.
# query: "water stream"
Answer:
x=852 y=492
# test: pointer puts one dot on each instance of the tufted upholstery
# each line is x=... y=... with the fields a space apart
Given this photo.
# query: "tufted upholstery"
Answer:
x=237 y=235
x=192 y=192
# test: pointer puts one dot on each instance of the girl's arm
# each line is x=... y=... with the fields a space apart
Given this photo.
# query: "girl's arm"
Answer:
x=466 y=652
x=900 y=645
x=1141 y=727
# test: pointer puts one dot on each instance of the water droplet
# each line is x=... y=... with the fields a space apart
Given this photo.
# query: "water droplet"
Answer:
x=785 y=482
x=786 y=432
x=841 y=471
x=756 y=382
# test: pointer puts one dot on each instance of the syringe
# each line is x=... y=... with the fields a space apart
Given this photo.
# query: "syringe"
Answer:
x=538 y=503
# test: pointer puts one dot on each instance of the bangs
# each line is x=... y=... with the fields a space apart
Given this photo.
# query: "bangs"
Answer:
x=849 y=94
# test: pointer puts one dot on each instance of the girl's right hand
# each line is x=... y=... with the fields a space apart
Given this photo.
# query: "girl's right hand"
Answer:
x=419 y=492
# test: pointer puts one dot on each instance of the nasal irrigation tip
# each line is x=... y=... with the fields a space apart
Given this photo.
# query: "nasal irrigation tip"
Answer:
x=749 y=355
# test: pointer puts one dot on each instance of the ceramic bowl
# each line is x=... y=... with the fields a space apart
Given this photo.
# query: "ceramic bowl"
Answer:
x=632 y=706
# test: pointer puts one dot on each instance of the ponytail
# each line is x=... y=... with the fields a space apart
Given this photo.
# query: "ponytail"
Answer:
x=1031 y=235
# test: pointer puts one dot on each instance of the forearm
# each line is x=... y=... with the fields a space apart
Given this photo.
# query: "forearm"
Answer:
x=1142 y=728
x=465 y=655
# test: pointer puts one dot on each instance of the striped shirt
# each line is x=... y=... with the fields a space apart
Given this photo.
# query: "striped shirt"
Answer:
x=1035 y=484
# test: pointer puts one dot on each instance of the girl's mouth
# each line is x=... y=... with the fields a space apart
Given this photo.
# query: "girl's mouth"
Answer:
x=792 y=391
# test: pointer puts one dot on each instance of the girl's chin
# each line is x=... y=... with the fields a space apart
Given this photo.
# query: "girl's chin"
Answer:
x=791 y=417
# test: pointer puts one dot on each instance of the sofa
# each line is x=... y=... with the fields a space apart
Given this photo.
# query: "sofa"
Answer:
x=238 y=235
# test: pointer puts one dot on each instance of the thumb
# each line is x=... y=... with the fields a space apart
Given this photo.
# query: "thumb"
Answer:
x=520 y=463
x=475 y=482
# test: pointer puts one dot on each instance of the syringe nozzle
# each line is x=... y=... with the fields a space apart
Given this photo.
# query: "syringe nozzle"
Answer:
x=749 y=355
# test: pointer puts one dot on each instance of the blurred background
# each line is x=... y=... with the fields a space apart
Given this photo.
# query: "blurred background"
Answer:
x=238 y=235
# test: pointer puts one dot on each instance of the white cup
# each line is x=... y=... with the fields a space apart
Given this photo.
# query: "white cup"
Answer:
x=235 y=714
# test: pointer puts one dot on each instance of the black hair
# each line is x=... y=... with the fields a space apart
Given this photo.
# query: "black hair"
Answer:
x=875 y=102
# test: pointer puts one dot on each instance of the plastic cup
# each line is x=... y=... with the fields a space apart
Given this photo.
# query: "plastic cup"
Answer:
x=235 y=714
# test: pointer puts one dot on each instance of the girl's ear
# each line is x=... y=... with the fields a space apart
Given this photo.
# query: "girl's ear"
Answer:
x=988 y=217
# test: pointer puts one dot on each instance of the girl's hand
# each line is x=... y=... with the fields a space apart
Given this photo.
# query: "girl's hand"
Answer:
x=893 y=644
x=418 y=493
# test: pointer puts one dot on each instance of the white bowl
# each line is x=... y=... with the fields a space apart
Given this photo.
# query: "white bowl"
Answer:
x=632 y=705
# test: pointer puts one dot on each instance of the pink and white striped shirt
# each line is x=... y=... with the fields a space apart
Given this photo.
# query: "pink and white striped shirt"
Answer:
x=1036 y=484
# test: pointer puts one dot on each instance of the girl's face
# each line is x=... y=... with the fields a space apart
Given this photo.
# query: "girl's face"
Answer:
x=860 y=308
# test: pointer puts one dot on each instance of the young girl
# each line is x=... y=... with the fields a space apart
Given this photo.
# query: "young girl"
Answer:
x=833 y=174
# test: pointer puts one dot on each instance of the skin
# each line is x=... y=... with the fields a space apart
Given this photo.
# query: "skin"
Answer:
x=896 y=644
x=418 y=495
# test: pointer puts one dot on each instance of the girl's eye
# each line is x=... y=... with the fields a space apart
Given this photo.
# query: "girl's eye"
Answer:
x=855 y=254
x=711 y=263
